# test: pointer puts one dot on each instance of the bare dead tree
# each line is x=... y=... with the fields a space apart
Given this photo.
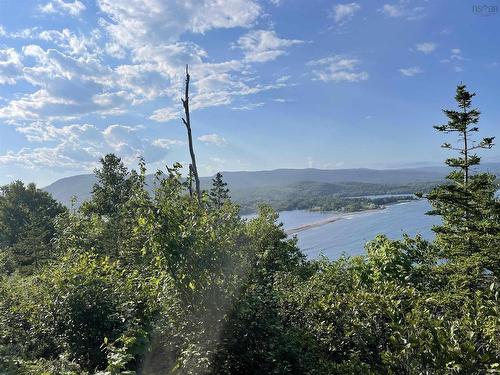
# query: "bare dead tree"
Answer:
x=187 y=123
x=190 y=181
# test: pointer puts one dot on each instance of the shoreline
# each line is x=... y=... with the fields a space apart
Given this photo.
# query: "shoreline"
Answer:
x=338 y=216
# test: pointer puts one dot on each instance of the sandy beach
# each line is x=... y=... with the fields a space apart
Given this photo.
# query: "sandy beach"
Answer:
x=335 y=217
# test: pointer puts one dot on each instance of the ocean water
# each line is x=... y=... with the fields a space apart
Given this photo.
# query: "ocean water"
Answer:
x=349 y=234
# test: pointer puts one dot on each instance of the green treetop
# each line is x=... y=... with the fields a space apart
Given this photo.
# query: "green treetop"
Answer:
x=26 y=225
x=112 y=189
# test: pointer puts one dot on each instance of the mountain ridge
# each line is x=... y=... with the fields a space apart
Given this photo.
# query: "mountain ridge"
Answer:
x=242 y=181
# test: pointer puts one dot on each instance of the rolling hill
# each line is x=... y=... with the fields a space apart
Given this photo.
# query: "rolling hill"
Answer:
x=251 y=186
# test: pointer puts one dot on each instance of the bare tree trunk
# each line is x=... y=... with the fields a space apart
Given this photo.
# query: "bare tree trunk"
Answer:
x=187 y=122
x=190 y=181
x=466 y=159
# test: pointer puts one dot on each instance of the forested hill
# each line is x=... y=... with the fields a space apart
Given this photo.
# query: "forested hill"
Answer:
x=242 y=184
x=280 y=177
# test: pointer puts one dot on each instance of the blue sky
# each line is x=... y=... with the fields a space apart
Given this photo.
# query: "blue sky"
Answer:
x=276 y=83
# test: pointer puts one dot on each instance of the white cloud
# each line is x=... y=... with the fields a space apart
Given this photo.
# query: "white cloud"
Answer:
x=32 y=107
x=115 y=50
x=283 y=79
x=166 y=114
x=392 y=10
x=67 y=87
x=149 y=30
x=343 y=13
x=143 y=80
x=39 y=131
x=337 y=69
x=2 y=31
x=426 y=47
x=134 y=23
x=71 y=79
x=215 y=89
x=248 y=107
x=75 y=86
x=410 y=72
x=264 y=45
x=76 y=145
x=10 y=66
x=71 y=43
x=167 y=143
x=60 y=6
x=212 y=139
x=455 y=59
x=455 y=56
x=403 y=9
x=26 y=33
x=79 y=146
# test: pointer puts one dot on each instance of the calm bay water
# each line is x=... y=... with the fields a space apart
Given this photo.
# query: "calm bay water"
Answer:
x=349 y=234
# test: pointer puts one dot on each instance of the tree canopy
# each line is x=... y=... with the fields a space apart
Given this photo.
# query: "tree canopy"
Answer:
x=27 y=226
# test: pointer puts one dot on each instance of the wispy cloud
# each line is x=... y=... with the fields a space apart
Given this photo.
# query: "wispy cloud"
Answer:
x=403 y=9
x=343 y=13
x=167 y=143
x=337 y=69
x=410 y=72
x=10 y=66
x=282 y=100
x=212 y=139
x=427 y=47
x=60 y=6
x=138 y=23
x=456 y=52
x=264 y=45
x=79 y=146
x=166 y=114
x=456 y=59
x=248 y=107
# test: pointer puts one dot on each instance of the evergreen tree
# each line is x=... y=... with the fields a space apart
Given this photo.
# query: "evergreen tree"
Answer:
x=467 y=204
x=112 y=189
x=219 y=192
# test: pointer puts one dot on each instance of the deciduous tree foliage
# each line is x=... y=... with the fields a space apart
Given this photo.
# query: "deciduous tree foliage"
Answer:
x=161 y=284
